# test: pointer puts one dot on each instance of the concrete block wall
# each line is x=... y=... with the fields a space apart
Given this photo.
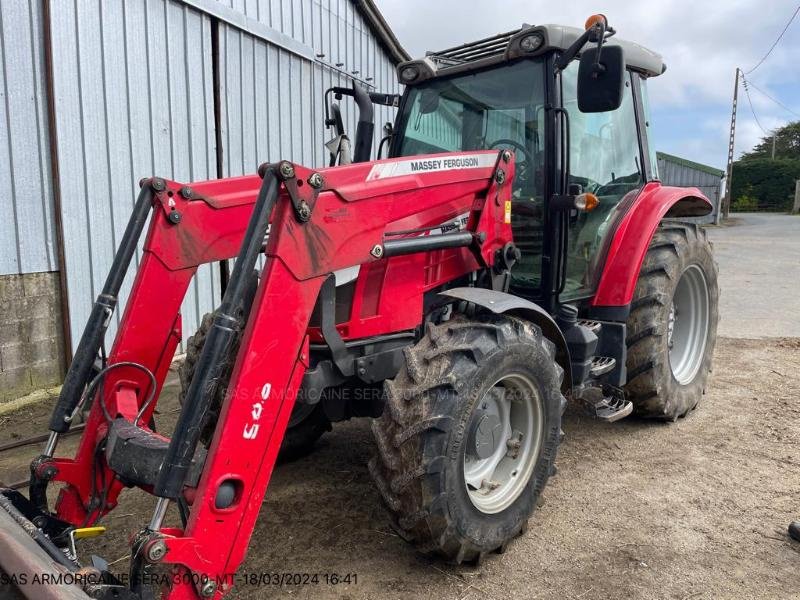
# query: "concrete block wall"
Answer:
x=31 y=340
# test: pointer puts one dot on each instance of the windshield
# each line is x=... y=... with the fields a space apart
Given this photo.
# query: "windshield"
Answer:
x=502 y=107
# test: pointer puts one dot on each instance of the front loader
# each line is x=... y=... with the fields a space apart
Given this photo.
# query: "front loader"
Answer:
x=514 y=253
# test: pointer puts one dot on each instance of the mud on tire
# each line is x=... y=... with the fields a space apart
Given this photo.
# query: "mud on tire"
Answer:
x=421 y=437
x=652 y=385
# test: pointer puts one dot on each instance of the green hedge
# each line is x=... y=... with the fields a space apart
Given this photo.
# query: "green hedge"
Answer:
x=764 y=184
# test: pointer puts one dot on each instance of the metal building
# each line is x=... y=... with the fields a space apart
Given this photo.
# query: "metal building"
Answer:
x=99 y=93
x=680 y=172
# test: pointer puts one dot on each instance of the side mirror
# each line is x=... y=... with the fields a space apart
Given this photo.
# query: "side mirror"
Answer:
x=601 y=79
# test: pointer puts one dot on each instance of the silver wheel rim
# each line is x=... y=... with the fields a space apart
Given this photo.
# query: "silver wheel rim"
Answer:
x=687 y=328
x=514 y=406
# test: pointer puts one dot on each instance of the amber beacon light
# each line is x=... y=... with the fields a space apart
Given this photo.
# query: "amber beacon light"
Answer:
x=594 y=20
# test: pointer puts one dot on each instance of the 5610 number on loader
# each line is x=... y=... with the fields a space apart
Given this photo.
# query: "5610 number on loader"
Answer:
x=516 y=251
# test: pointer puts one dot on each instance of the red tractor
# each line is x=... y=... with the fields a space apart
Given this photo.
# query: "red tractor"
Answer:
x=515 y=252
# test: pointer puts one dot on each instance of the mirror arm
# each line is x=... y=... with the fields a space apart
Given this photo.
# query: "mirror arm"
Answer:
x=365 y=126
x=570 y=53
x=326 y=102
x=598 y=33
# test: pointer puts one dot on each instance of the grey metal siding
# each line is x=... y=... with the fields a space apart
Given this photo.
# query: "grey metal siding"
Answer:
x=133 y=97
x=675 y=174
x=272 y=98
x=27 y=230
x=133 y=93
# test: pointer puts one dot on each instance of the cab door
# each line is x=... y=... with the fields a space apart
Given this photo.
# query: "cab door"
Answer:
x=605 y=158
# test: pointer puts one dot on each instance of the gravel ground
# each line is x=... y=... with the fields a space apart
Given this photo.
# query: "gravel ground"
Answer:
x=693 y=509
x=759 y=270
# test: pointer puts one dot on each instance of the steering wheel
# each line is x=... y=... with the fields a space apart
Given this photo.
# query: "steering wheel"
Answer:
x=523 y=166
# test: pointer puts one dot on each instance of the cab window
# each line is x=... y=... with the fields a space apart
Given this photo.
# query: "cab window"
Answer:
x=605 y=160
x=501 y=107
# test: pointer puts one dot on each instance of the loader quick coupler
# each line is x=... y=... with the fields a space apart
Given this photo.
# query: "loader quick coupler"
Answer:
x=42 y=471
x=147 y=549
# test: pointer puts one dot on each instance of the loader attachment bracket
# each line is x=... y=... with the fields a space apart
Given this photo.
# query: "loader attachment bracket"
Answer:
x=303 y=186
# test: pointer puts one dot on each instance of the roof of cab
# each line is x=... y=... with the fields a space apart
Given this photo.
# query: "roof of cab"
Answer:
x=501 y=48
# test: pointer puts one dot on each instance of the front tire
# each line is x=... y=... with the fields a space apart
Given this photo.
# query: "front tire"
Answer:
x=672 y=328
x=477 y=399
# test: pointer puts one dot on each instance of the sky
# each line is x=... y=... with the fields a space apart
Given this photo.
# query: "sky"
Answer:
x=702 y=43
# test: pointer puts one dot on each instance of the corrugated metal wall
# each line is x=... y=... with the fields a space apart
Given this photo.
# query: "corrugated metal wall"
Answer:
x=134 y=90
x=27 y=230
x=133 y=98
x=681 y=175
x=272 y=98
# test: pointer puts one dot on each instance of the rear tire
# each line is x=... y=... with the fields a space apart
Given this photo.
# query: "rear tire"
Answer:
x=672 y=328
x=426 y=437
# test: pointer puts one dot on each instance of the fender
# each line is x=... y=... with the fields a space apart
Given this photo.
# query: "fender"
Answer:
x=632 y=238
x=501 y=303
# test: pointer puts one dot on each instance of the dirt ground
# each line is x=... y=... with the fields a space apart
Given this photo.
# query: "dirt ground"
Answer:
x=690 y=510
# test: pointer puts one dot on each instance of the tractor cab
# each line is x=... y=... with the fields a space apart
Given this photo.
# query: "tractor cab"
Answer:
x=578 y=128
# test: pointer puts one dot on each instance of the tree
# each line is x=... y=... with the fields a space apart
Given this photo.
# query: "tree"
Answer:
x=764 y=184
x=761 y=183
x=787 y=144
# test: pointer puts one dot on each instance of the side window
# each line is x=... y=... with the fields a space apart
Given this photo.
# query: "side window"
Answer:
x=651 y=150
x=605 y=160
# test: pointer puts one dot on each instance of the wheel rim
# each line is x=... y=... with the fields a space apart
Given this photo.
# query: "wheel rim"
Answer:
x=687 y=328
x=504 y=438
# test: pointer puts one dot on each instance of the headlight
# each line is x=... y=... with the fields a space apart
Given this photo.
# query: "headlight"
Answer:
x=531 y=42
x=409 y=74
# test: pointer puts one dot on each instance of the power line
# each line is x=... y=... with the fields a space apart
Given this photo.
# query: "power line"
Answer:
x=797 y=10
x=778 y=102
x=750 y=102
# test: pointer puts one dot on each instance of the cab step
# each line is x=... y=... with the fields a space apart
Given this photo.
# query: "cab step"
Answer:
x=593 y=326
x=602 y=365
x=611 y=409
x=609 y=406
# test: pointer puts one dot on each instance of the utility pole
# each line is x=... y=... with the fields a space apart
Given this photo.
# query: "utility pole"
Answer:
x=773 y=144
x=796 y=207
x=726 y=205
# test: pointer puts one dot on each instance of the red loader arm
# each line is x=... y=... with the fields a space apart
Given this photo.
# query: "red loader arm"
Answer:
x=366 y=214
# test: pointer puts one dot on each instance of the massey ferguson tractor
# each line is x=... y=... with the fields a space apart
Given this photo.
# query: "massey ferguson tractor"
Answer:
x=514 y=253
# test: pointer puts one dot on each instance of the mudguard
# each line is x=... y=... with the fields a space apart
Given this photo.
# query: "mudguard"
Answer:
x=501 y=303
x=632 y=238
